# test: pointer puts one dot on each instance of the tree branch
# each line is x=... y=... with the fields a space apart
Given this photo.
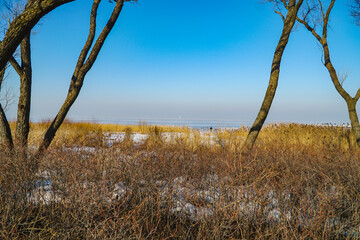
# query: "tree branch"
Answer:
x=90 y=39
x=16 y=66
x=285 y=4
x=322 y=10
x=357 y=96
x=312 y=30
x=282 y=16
x=326 y=19
x=23 y=24
x=103 y=35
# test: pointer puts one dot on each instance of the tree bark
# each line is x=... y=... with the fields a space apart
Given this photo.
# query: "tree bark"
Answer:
x=81 y=70
x=289 y=22
x=2 y=75
x=5 y=132
x=22 y=25
x=355 y=126
x=23 y=113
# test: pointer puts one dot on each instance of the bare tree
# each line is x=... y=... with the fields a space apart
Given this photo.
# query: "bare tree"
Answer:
x=292 y=8
x=311 y=24
x=22 y=25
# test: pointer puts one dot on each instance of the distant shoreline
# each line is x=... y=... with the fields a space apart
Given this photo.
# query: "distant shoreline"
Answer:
x=193 y=124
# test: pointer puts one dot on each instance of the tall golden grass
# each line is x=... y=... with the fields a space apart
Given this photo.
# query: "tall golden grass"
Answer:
x=299 y=182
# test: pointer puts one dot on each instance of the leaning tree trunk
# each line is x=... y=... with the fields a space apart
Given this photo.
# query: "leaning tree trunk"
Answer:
x=82 y=67
x=289 y=22
x=22 y=25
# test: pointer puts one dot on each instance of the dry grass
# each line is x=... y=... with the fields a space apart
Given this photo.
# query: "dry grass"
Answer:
x=300 y=182
x=90 y=134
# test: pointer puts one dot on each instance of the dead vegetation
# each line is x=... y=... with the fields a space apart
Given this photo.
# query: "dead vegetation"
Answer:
x=299 y=182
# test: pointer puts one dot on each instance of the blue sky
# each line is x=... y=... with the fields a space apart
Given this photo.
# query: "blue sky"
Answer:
x=200 y=59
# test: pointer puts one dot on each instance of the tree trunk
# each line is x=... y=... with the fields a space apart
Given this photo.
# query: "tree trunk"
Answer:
x=22 y=25
x=274 y=76
x=5 y=132
x=23 y=114
x=354 y=120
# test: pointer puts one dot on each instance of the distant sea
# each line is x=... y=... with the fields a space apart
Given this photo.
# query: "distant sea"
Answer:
x=191 y=123
x=196 y=124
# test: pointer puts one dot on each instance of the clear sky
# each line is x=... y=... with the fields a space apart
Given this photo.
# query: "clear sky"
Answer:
x=201 y=59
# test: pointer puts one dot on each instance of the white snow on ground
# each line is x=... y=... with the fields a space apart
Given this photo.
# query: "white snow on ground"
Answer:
x=181 y=192
x=206 y=137
x=43 y=192
x=137 y=138
x=81 y=149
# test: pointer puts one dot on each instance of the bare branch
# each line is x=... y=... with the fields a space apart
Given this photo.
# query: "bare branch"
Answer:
x=282 y=16
x=90 y=39
x=285 y=4
x=23 y=24
x=357 y=96
x=342 y=77
x=103 y=35
x=326 y=19
x=311 y=29
x=322 y=10
x=16 y=66
x=7 y=98
x=355 y=11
